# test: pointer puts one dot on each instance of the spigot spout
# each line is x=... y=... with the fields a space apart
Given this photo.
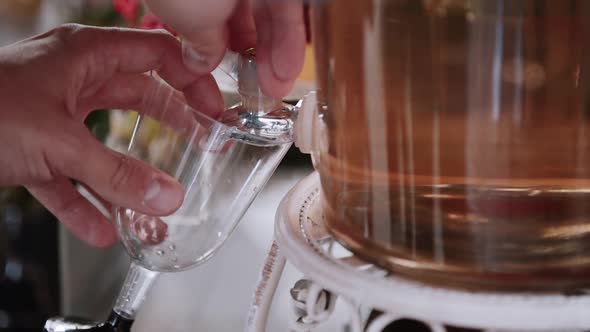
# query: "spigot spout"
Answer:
x=308 y=126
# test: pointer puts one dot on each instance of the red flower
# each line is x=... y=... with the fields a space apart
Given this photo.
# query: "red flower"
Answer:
x=128 y=9
x=150 y=21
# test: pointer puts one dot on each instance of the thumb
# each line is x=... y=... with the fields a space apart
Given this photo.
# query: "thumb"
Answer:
x=121 y=179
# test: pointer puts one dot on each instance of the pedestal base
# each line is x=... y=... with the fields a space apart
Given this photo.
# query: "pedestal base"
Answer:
x=333 y=272
x=115 y=323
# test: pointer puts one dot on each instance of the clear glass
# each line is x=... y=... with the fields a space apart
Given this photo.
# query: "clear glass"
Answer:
x=222 y=166
x=458 y=147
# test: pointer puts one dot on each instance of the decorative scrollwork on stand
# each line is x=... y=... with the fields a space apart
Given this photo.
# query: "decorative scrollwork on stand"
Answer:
x=364 y=288
x=380 y=323
x=312 y=305
x=356 y=321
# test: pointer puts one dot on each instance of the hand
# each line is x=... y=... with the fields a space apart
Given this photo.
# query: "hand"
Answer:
x=50 y=83
x=275 y=27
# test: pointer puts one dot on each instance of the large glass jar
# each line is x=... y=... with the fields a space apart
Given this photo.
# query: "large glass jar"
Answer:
x=458 y=138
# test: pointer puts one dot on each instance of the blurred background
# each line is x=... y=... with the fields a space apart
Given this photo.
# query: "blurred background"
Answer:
x=44 y=271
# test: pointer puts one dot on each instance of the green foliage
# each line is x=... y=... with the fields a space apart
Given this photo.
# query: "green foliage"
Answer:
x=98 y=122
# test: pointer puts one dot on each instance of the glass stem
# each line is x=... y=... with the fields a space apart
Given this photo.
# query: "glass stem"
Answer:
x=137 y=284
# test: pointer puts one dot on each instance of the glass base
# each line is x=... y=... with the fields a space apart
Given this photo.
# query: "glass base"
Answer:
x=115 y=323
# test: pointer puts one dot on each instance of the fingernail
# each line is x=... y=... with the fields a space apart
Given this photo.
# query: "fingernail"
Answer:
x=194 y=59
x=163 y=196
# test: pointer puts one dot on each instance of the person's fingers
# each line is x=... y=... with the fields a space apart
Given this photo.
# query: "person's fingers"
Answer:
x=281 y=44
x=160 y=102
x=119 y=179
x=148 y=229
x=104 y=205
x=288 y=38
x=74 y=211
x=242 y=30
x=107 y=51
x=204 y=96
x=203 y=27
x=136 y=52
x=203 y=50
x=153 y=98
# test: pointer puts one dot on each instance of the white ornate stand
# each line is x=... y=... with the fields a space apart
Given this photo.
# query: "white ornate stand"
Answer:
x=331 y=272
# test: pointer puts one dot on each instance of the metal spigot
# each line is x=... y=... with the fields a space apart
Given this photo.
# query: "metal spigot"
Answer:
x=259 y=115
x=253 y=99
